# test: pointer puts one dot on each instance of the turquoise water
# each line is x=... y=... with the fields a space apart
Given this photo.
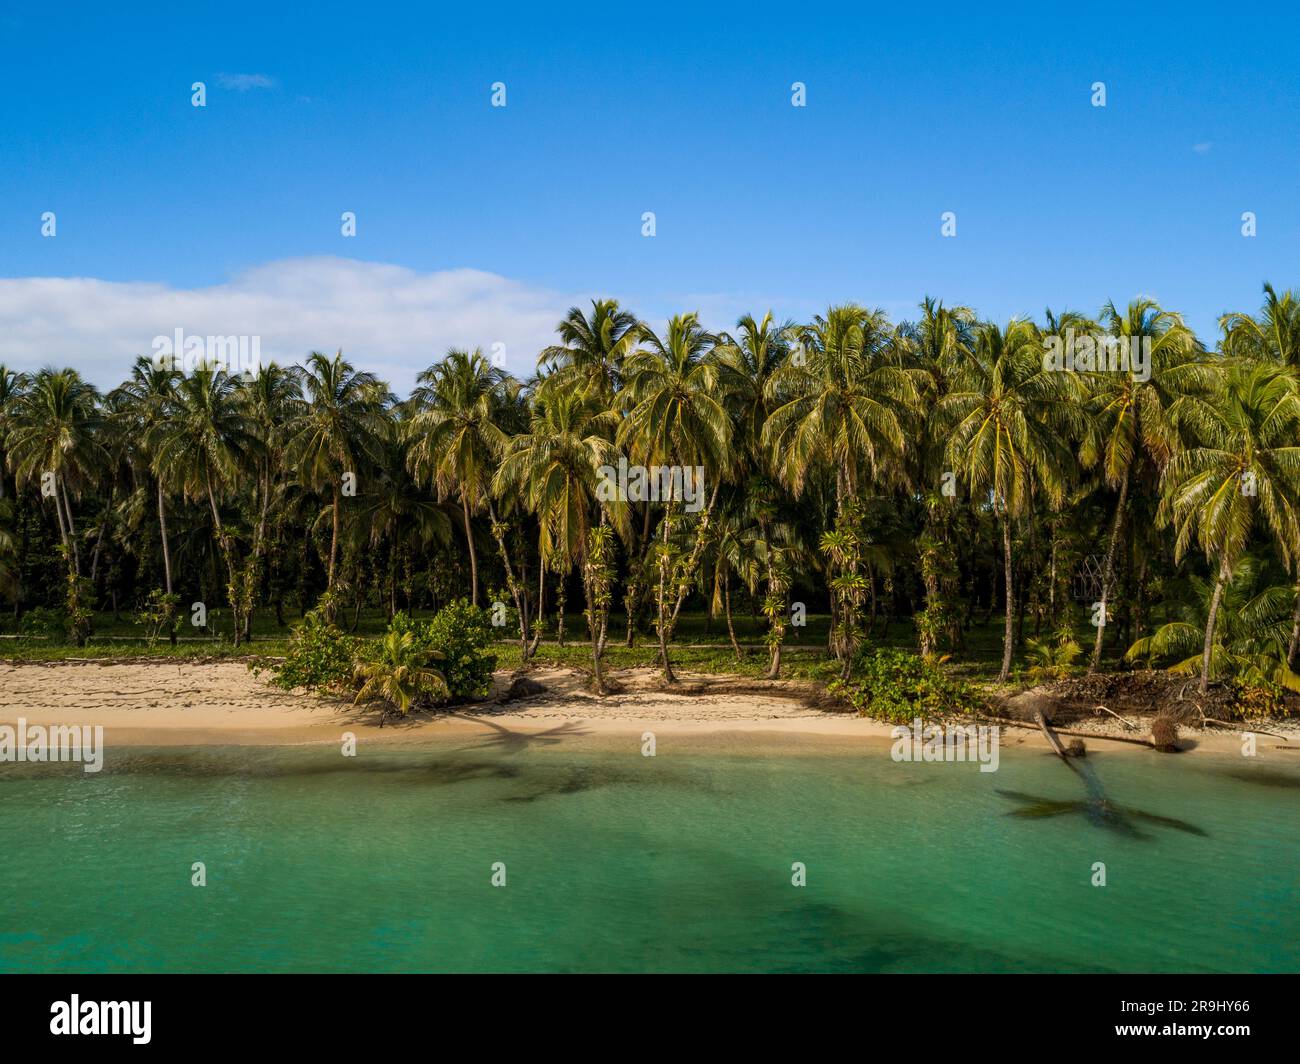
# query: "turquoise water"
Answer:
x=617 y=862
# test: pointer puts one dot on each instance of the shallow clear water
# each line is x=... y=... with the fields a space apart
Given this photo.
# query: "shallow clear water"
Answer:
x=617 y=862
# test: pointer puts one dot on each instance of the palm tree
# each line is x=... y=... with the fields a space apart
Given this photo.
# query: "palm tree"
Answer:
x=1008 y=420
x=677 y=418
x=202 y=445
x=336 y=432
x=400 y=675
x=143 y=402
x=844 y=403
x=594 y=348
x=273 y=398
x=52 y=440
x=1130 y=413
x=1250 y=632
x=556 y=465
x=1273 y=336
x=454 y=436
x=12 y=385
x=1242 y=466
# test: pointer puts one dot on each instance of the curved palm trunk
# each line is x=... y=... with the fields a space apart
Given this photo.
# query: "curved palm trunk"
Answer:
x=726 y=605
x=473 y=557
x=1210 y=620
x=1108 y=570
x=541 y=609
x=1008 y=634
x=166 y=550
x=334 y=542
x=516 y=591
x=72 y=527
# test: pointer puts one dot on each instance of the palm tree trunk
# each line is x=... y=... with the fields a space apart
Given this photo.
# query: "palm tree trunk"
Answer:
x=166 y=550
x=1294 y=648
x=726 y=605
x=516 y=592
x=233 y=592
x=1209 y=627
x=334 y=543
x=473 y=557
x=541 y=609
x=1008 y=635
x=72 y=527
x=1108 y=570
x=661 y=625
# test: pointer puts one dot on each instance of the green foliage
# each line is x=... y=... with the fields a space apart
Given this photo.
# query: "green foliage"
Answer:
x=461 y=634
x=43 y=623
x=78 y=615
x=320 y=657
x=160 y=615
x=400 y=674
x=894 y=685
x=1049 y=661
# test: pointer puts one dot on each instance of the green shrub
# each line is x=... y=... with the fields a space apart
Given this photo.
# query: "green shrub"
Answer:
x=896 y=686
x=44 y=623
x=460 y=634
x=320 y=657
x=160 y=615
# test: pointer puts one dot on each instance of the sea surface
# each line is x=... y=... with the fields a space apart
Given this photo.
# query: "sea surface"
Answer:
x=617 y=862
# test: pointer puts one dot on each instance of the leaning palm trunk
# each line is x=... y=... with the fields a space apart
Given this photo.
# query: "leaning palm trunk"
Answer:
x=166 y=550
x=72 y=527
x=516 y=590
x=1108 y=572
x=687 y=571
x=1294 y=647
x=1008 y=634
x=1210 y=619
x=726 y=605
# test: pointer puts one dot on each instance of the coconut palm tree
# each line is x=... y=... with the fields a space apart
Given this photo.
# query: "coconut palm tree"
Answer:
x=677 y=419
x=52 y=441
x=337 y=431
x=1251 y=629
x=203 y=444
x=1242 y=468
x=1008 y=421
x=844 y=403
x=273 y=397
x=142 y=404
x=400 y=675
x=1272 y=336
x=1129 y=411
x=556 y=467
x=594 y=348
x=454 y=438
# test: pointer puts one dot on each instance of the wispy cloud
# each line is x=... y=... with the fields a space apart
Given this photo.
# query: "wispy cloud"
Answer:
x=245 y=82
x=1202 y=147
x=391 y=320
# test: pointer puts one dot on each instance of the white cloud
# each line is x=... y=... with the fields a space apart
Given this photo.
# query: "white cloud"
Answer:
x=1203 y=147
x=244 y=82
x=388 y=319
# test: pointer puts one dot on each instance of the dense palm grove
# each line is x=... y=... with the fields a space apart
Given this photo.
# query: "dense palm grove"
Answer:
x=934 y=473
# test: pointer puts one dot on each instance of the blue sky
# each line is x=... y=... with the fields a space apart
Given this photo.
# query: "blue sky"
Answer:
x=178 y=213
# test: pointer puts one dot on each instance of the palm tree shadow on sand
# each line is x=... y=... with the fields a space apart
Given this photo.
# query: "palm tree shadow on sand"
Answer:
x=512 y=742
x=1100 y=810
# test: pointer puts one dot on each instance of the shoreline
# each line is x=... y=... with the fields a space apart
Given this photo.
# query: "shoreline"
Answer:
x=181 y=703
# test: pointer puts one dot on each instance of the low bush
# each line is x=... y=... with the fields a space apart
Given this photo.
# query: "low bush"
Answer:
x=320 y=657
x=897 y=686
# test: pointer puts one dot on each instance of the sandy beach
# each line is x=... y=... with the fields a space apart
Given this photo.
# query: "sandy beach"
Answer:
x=160 y=703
